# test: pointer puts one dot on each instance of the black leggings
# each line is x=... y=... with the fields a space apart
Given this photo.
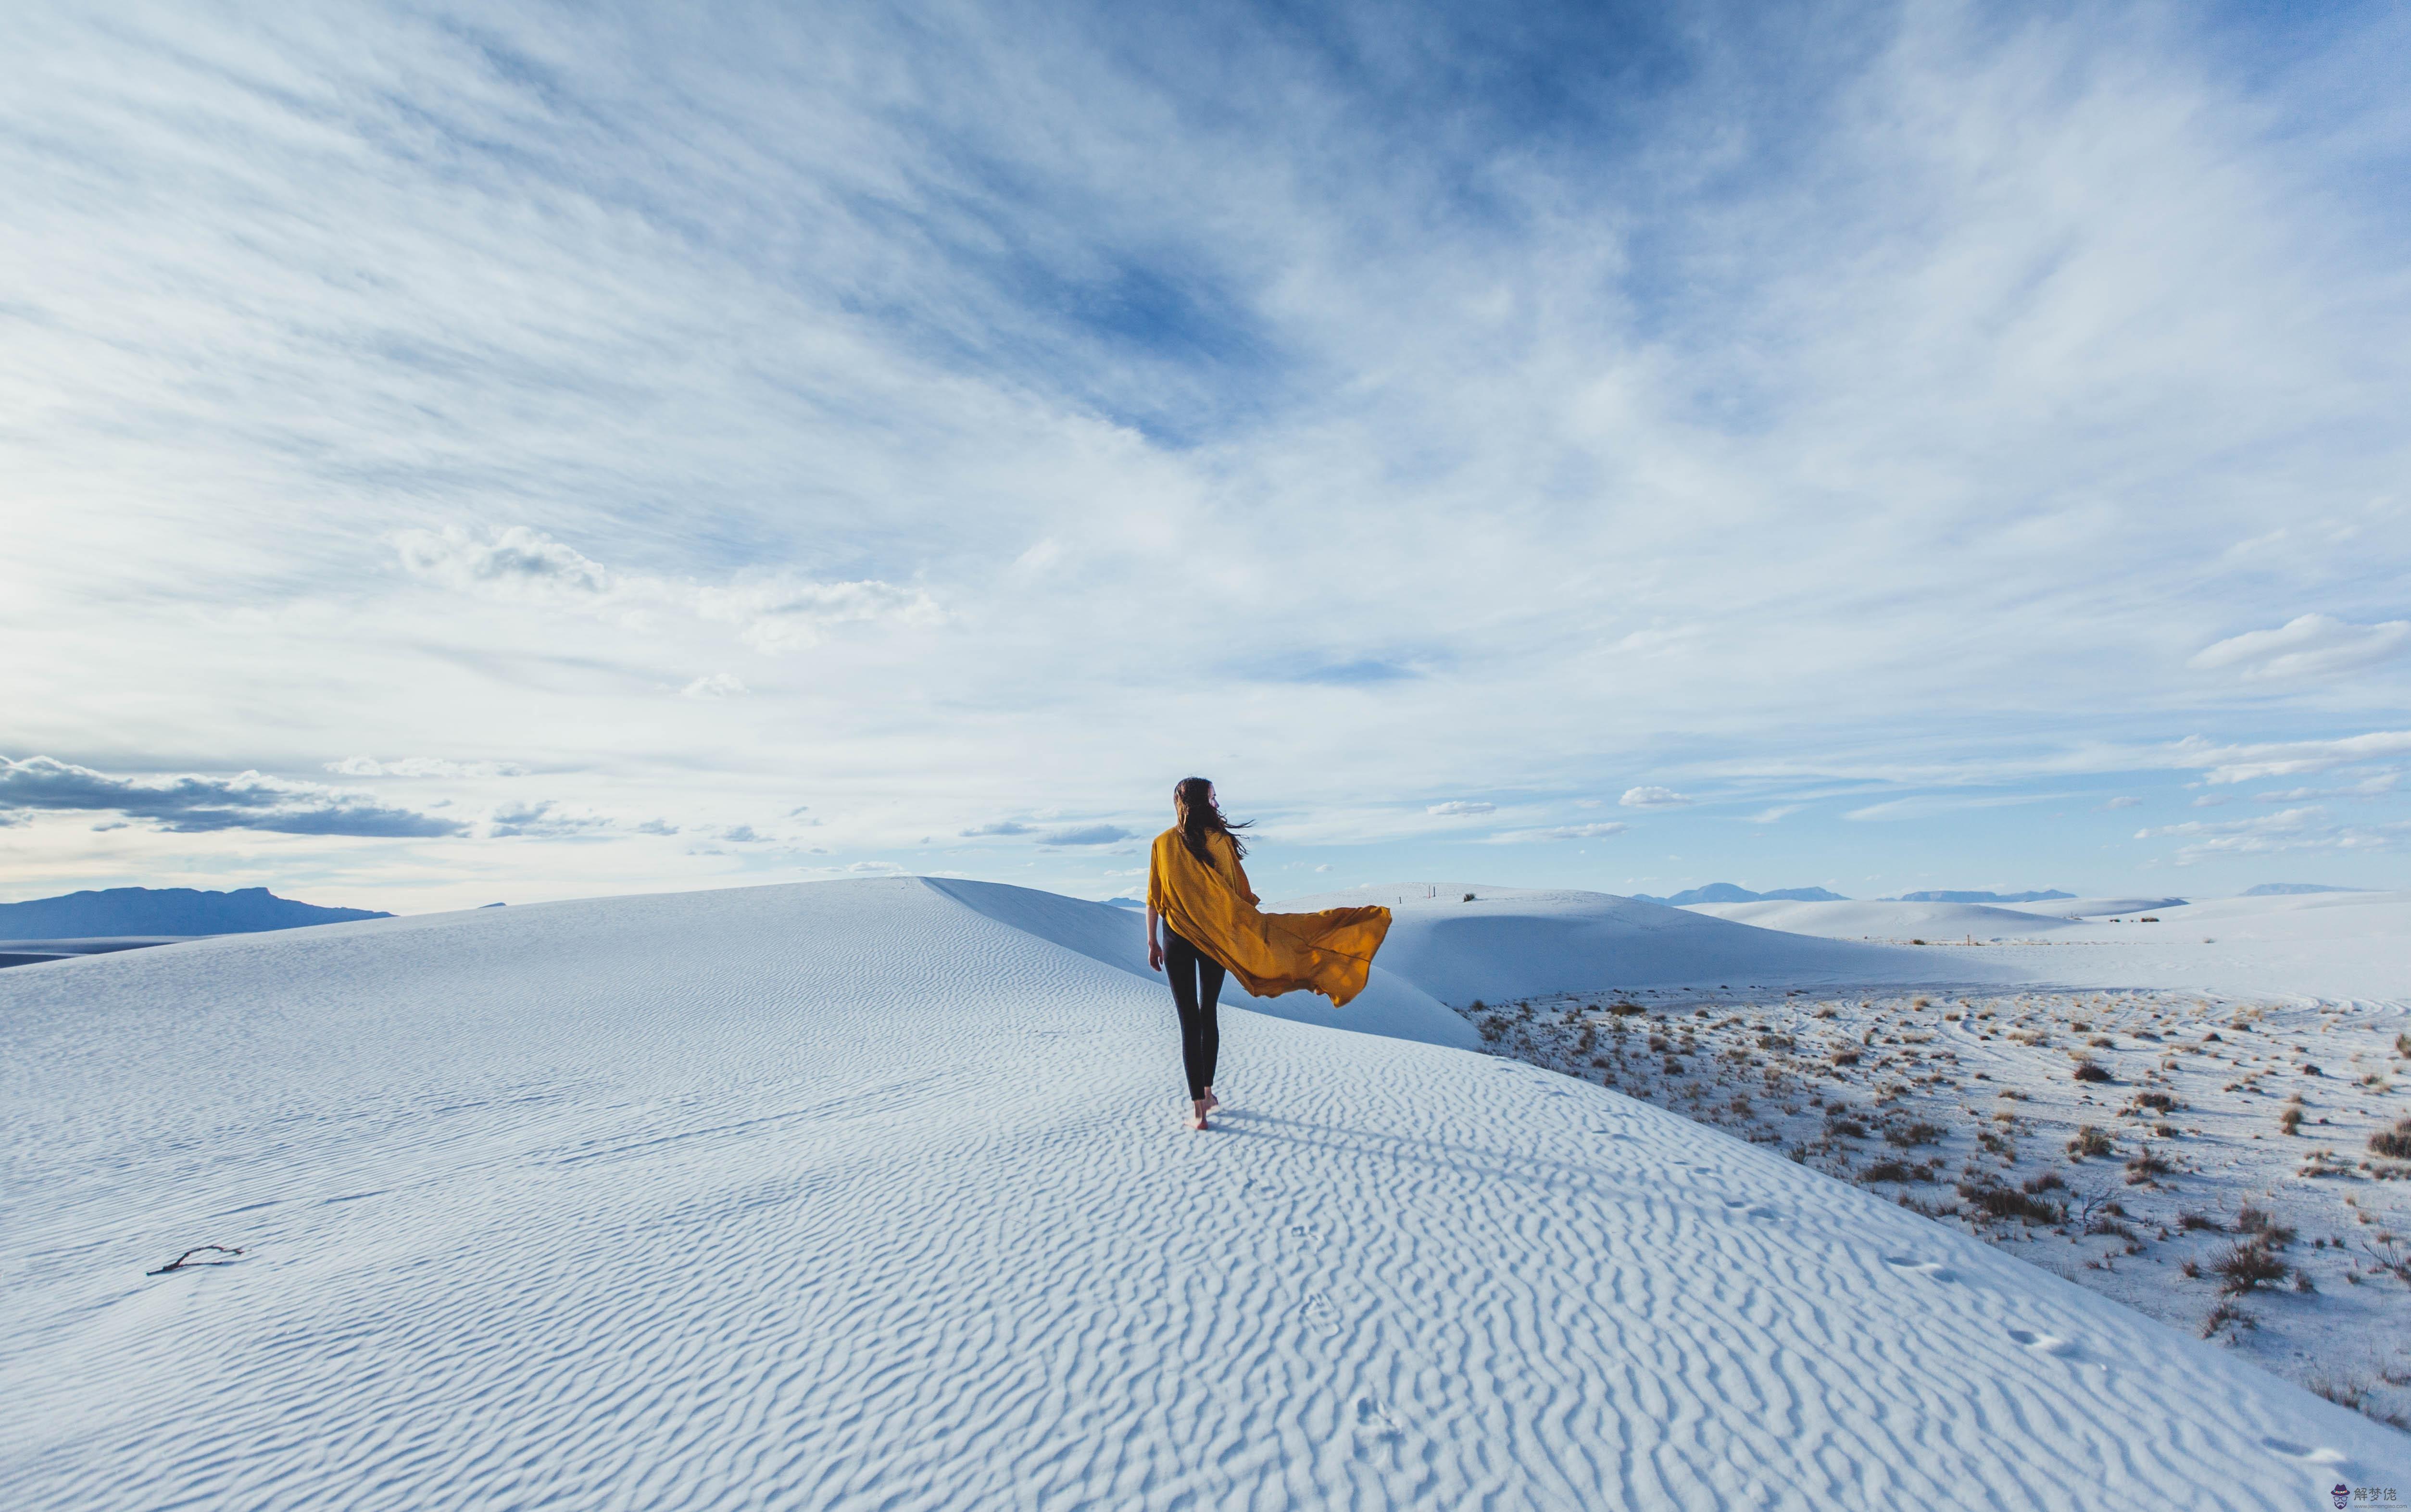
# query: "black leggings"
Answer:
x=1197 y=983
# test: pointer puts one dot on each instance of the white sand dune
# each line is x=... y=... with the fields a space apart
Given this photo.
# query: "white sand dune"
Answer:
x=1101 y=932
x=1872 y=919
x=2096 y=908
x=870 y=1194
x=2340 y=945
x=1514 y=942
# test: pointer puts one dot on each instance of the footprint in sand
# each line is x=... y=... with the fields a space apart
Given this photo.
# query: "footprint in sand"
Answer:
x=1375 y=1424
x=2042 y=1344
x=1320 y=1315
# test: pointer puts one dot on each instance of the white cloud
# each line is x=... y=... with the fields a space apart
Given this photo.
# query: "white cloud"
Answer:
x=1652 y=798
x=2307 y=647
x=2122 y=801
x=1456 y=806
x=2294 y=829
x=1776 y=814
x=2292 y=758
x=1138 y=426
x=2292 y=819
x=773 y=612
x=424 y=766
x=1931 y=805
x=1562 y=832
x=717 y=685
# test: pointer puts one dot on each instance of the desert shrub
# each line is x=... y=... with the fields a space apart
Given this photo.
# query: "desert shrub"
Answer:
x=1626 y=1011
x=2048 y=1182
x=2104 y=1224
x=1909 y=1135
x=2004 y=1202
x=2086 y=1071
x=2191 y=1221
x=2090 y=1140
x=2159 y=1102
x=2242 y=1267
x=1493 y=1029
x=2102 y=1041
x=2167 y=1131
x=1895 y=1170
x=2290 y=1118
x=2262 y=1224
x=2394 y=1143
x=1847 y=1129
x=2143 y=1166
x=1846 y=1057
x=2226 y=1312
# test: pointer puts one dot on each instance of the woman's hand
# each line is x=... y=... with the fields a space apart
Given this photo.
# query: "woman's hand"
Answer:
x=1154 y=954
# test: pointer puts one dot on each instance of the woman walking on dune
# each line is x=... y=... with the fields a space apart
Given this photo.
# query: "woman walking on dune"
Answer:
x=1197 y=894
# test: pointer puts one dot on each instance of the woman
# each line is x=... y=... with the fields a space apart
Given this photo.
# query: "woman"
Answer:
x=1199 y=894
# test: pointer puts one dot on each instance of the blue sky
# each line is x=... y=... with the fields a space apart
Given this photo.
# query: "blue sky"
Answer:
x=517 y=452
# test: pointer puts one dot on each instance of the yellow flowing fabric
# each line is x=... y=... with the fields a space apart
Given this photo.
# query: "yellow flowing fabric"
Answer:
x=1213 y=908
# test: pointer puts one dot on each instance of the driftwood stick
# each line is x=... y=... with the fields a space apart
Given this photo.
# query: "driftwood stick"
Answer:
x=178 y=1263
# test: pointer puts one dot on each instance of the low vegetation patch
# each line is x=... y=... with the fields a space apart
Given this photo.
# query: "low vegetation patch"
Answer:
x=2007 y=1203
x=2090 y=1140
x=2393 y=1144
x=2242 y=1266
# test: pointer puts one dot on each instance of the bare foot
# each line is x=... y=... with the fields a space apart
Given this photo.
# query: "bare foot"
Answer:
x=1197 y=1118
x=1212 y=1102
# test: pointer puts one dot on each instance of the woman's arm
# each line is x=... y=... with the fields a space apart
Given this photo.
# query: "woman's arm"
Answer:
x=1154 y=946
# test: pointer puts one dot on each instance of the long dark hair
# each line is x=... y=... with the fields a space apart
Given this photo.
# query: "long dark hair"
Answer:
x=1200 y=816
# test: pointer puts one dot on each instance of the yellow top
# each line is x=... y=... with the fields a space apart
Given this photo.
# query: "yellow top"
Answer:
x=1213 y=908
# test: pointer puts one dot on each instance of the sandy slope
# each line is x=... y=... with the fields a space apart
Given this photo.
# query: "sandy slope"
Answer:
x=1515 y=942
x=2336 y=945
x=1876 y=920
x=855 y=1195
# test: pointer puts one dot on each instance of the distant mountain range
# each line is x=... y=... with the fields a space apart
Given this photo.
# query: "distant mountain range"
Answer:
x=164 y=911
x=2289 y=889
x=1981 y=897
x=1728 y=893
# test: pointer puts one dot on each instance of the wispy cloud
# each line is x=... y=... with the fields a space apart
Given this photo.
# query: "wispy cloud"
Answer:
x=2307 y=647
x=1561 y=832
x=1075 y=834
x=1460 y=805
x=424 y=766
x=1793 y=411
x=1652 y=797
x=2294 y=758
x=2294 y=829
x=773 y=612
x=196 y=804
x=1932 y=805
